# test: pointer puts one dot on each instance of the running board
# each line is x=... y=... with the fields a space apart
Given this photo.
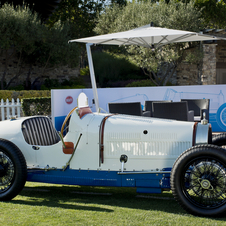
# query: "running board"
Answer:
x=144 y=172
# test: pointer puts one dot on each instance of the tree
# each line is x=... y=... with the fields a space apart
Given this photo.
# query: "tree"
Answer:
x=43 y=7
x=18 y=30
x=213 y=13
x=53 y=49
x=80 y=14
x=25 y=37
x=174 y=15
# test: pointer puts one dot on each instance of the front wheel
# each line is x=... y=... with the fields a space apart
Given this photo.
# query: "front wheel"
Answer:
x=13 y=170
x=198 y=180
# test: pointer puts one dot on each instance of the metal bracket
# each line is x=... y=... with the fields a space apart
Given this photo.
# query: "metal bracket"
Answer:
x=67 y=164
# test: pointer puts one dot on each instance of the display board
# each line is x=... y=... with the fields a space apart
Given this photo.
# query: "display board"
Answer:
x=63 y=101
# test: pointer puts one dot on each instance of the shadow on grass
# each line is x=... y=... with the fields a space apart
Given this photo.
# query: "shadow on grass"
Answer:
x=77 y=197
x=73 y=197
x=89 y=198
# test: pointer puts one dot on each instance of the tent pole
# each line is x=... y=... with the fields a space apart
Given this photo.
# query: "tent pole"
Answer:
x=92 y=76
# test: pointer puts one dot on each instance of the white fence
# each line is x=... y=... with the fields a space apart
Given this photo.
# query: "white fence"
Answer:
x=10 y=109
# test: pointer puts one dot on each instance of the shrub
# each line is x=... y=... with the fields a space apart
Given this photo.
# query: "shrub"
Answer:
x=74 y=83
x=141 y=83
x=84 y=71
x=111 y=67
x=36 y=106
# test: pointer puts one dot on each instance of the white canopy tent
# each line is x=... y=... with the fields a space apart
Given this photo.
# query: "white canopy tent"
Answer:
x=146 y=36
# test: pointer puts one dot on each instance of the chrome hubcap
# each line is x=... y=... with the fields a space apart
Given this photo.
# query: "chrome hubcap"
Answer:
x=205 y=184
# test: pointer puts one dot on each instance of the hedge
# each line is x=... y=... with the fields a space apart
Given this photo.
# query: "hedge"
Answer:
x=36 y=106
x=10 y=94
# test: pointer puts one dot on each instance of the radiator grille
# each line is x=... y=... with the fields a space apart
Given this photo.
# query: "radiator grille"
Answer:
x=39 y=131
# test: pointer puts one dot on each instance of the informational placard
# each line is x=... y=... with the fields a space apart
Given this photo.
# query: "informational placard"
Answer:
x=63 y=101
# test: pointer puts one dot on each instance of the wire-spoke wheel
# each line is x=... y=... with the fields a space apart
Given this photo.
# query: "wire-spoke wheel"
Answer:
x=13 y=170
x=7 y=171
x=198 y=180
x=207 y=182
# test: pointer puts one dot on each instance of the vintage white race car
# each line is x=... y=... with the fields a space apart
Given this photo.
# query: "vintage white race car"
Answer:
x=102 y=149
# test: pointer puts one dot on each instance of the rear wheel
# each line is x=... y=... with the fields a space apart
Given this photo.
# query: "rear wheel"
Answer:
x=219 y=140
x=198 y=180
x=13 y=170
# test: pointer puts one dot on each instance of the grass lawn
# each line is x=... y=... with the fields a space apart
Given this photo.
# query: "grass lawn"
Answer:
x=48 y=204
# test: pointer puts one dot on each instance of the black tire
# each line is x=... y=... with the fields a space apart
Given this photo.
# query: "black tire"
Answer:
x=13 y=170
x=198 y=181
x=219 y=140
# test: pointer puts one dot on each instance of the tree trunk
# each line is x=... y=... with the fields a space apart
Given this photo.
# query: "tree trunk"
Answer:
x=171 y=74
x=43 y=71
x=28 y=79
x=19 y=66
x=150 y=76
x=7 y=57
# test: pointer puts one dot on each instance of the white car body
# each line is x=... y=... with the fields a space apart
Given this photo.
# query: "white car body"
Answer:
x=149 y=143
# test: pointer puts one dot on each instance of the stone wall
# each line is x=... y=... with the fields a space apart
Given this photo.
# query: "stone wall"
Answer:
x=34 y=73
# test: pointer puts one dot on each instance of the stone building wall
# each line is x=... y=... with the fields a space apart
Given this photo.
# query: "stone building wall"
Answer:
x=221 y=63
x=209 y=71
x=221 y=52
x=188 y=74
x=214 y=61
x=214 y=58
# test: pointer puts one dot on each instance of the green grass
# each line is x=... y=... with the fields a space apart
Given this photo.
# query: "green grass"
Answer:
x=47 y=204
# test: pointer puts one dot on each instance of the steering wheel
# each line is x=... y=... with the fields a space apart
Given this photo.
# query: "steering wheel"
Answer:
x=66 y=119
